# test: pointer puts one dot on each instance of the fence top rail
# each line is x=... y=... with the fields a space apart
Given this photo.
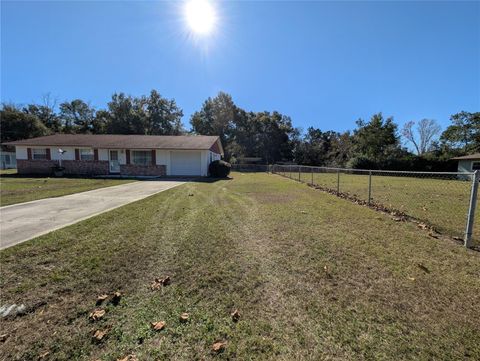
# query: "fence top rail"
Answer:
x=376 y=170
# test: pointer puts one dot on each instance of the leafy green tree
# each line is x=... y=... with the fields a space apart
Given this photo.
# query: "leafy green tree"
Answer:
x=217 y=117
x=150 y=115
x=45 y=112
x=463 y=134
x=16 y=124
x=377 y=139
x=77 y=116
x=163 y=116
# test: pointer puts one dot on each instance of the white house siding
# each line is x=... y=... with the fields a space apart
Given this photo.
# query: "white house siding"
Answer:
x=466 y=165
x=103 y=154
x=163 y=156
x=68 y=155
x=21 y=152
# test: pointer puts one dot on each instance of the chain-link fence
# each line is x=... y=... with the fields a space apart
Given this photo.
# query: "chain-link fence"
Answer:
x=444 y=201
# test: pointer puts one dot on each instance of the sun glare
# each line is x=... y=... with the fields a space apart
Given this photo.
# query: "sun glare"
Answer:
x=200 y=16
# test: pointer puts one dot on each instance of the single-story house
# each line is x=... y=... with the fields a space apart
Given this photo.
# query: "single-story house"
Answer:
x=109 y=154
x=468 y=163
x=7 y=160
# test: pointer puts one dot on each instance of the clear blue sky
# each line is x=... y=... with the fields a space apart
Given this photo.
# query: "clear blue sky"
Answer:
x=323 y=63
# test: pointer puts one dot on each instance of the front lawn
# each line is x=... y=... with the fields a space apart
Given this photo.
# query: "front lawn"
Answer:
x=312 y=276
x=19 y=189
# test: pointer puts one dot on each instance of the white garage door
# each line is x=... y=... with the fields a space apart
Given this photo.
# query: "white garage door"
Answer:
x=186 y=163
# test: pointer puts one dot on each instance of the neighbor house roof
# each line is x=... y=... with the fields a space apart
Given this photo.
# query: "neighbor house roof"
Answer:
x=116 y=141
x=468 y=157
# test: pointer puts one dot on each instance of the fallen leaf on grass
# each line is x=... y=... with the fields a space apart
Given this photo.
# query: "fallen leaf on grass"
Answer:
x=422 y=226
x=3 y=337
x=43 y=355
x=159 y=282
x=219 y=346
x=398 y=219
x=411 y=278
x=100 y=299
x=235 y=316
x=130 y=357
x=433 y=235
x=99 y=335
x=158 y=326
x=423 y=268
x=96 y=314
x=155 y=286
x=116 y=298
x=166 y=281
x=184 y=317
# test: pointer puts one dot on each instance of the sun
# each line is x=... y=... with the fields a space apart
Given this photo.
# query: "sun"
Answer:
x=200 y=16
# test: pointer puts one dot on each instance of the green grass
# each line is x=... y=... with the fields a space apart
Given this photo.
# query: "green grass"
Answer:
x=8 y=171
x=313 y=276
x=443 y=203
x=19 y=189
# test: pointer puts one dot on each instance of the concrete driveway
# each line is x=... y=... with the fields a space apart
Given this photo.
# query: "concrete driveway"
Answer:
x=24 y=221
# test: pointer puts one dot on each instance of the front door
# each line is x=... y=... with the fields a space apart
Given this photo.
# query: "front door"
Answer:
x=114 y=163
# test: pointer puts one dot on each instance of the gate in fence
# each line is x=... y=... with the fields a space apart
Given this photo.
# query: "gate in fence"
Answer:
x=445 y=201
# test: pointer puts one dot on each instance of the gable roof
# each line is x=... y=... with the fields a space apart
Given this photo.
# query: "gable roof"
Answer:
x=468 y=157
x=120 y=141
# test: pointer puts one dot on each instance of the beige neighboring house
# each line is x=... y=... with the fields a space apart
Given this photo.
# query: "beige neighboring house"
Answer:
x=468 y=163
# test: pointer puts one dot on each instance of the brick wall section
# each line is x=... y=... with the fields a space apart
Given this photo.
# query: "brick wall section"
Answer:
x=86 y=167
x=40 y=167
x=143 y=170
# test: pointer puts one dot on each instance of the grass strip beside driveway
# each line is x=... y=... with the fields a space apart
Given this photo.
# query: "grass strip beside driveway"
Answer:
x=19 y=189
x=313 y=276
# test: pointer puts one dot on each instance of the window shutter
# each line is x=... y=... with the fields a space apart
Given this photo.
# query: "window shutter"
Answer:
x=95 y=154
x=154 y=157
x=127 y=156
x=29 y=153
x=47 y=151
x=77 y=154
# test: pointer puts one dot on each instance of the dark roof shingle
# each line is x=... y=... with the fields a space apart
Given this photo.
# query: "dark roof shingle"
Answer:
x=467 y=157
x=112 y=141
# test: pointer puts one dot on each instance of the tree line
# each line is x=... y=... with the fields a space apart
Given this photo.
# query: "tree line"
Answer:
x=376 y=143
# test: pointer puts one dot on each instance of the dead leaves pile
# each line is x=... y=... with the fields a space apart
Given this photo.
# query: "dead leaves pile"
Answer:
x=98 y=313
x=100 y=335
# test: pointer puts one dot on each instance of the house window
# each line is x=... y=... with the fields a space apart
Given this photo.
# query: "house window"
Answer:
x=475 y=165
x=40 y=154
x=86 y=154
x=142 y=157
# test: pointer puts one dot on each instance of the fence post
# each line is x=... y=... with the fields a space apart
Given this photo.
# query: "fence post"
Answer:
x=369 y=186
x=471 y=209
x=299 y=168
x=338 y=181
x=312 y=174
